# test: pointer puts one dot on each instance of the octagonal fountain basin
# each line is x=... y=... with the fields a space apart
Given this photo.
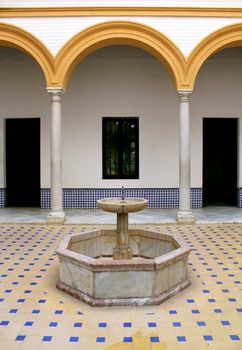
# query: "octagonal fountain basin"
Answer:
x=157 y=271
x=127 y=205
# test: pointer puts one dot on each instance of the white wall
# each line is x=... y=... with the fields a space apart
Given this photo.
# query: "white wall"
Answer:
x=120 y=81
x=185 y=32
x=217 y=93
x=199 y=3
x=114 y=82
x=23 y=94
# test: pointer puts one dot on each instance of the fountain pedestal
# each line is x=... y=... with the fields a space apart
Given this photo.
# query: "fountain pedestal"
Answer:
x=122 y=251
x=122 y=207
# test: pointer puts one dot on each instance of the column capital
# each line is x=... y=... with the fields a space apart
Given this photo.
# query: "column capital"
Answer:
x=55 y=93
x=184 y=95
x=55 y=90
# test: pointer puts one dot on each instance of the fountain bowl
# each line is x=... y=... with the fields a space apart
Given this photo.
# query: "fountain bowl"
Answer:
x=127 y=205
x=157 y=271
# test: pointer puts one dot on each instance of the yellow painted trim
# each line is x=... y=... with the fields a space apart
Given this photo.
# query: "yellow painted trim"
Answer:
x=16 y=37
x=119 y=33
x=121 y=11
x=229 y=36
x=183 y=71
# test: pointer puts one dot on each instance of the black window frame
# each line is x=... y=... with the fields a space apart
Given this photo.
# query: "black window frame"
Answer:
x=120 y=147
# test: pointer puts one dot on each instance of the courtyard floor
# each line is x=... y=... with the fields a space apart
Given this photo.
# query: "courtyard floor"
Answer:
x=35 y=315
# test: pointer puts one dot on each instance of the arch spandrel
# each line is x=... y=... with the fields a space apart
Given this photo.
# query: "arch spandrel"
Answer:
x=13 y=36
x=229 y=36
x=120 y=33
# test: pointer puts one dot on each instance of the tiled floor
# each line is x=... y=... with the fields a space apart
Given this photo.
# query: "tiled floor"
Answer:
x=35 y=315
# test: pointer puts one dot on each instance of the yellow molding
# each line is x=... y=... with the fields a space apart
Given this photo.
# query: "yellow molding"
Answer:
x=13 y=36
x=228 y=36
x=120 y=33
x=183 y=71
x=144 y=11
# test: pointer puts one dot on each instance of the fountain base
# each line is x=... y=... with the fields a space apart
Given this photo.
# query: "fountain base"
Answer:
x=157 y=271
x=101 y=302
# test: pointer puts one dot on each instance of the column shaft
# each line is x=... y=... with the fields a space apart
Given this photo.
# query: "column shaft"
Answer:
x=184 y=214
x=56 y=214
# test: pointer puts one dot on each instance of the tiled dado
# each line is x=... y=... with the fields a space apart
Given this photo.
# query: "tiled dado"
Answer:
x=164 y=198
x=3 y=197
x=239 y=197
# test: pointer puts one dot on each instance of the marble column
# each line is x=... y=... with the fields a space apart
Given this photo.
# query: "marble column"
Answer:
x=56 y=215
x=184 y=214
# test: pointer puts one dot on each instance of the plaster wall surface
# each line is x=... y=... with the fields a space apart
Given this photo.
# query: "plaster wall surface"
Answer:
x=112 y=84
x=217 y=93
x=199 y=3
x=185 y=32
x=120 y=81
x=23 y=95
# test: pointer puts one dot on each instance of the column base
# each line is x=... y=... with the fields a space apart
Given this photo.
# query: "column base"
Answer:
x=185 y=217
x=56 y=217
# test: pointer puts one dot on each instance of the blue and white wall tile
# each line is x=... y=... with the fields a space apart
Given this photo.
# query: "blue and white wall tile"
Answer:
x=159 y=198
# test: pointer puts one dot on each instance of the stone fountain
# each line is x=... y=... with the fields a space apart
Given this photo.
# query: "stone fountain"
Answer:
x=108 y=267
x=122 y=207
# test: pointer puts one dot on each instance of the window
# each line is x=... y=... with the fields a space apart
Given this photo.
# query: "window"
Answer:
x=120 y=148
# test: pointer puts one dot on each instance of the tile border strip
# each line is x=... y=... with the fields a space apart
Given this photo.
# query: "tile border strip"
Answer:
x=3 y=198
x=85 y=198
x=159 y=198
x=239 y=197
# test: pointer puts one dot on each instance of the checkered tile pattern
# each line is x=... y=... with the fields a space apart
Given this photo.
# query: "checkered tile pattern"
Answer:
x=239 y=196
x=196 y=198
x=165 y=198
x=159 y=198
x=45 y=198
x=2 y=197
x=34 y=315
x=86 y=198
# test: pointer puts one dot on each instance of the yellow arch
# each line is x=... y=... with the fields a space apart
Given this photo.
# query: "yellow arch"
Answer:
x=225 y=37
x=57 y=71
x=119 y=33
x=13 y=36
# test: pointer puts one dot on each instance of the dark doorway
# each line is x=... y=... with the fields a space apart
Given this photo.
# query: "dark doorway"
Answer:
x=23 y=162
x=220 y=161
